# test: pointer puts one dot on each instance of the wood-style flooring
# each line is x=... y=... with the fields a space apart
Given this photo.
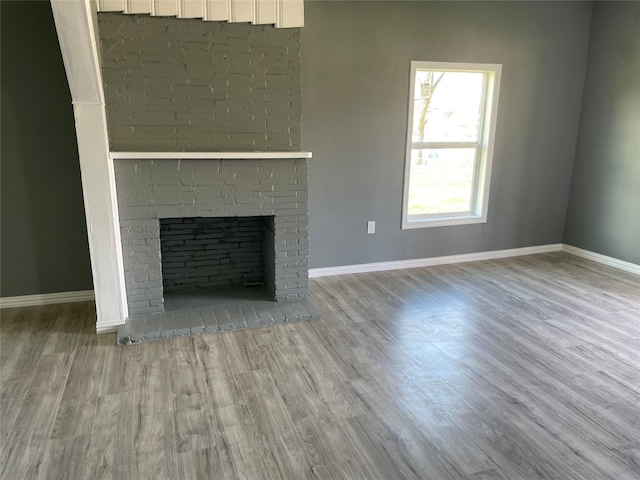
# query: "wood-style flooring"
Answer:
x=521 y=368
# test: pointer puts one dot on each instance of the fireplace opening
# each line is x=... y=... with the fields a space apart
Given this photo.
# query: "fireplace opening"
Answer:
x=212 y=260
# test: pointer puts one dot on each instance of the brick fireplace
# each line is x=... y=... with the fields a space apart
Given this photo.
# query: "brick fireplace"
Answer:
x=154 y=96
x=263 y=197
x=151 y=192
x=165 y=108
x=181 y=86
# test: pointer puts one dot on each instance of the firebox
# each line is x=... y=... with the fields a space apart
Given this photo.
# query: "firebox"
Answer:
x=209 y=254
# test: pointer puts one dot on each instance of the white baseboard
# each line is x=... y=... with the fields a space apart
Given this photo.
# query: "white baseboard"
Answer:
x=428 y=262
x=112 y=325
x=605 y=260
x=109 y=326
x=46 y=299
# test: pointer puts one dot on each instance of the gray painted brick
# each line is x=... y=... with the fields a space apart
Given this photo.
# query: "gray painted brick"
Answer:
x=155 y=69
x=146 y=298
x=143 y=310
x=240 y=184
x=139 y=304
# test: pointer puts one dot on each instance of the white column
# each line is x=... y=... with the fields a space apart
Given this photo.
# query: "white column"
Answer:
x=76 y=26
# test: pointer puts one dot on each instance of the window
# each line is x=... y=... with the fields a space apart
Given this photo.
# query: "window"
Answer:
x=452 y=112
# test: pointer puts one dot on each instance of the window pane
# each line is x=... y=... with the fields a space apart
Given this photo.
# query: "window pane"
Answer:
x=447 y=106
x=441 y=180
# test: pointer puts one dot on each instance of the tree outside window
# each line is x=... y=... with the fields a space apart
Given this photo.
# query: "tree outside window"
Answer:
x=449 y=145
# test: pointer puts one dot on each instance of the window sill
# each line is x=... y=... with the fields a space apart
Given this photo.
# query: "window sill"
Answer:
x=443 y=222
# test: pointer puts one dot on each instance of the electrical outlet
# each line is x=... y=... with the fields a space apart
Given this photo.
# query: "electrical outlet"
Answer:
x=371 y=226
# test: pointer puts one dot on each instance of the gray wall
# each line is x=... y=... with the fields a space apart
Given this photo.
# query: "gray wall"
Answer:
x=176 y=84
x=355 y=77
x=355 y=124
x=604 y=207
x=43 y=233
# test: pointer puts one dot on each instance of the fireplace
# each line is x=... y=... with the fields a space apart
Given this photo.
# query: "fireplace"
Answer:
x=204 y=224
x=147 y=90
x=214 y=256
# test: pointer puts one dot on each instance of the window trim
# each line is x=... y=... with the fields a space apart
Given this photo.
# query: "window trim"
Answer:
x=484 y=147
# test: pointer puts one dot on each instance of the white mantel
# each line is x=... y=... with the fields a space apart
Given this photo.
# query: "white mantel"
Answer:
x=207 y=155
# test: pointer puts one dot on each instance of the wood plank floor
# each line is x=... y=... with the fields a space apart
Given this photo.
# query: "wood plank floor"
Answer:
x=521 y=368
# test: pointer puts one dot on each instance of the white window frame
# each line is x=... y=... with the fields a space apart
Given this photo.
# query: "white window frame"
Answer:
x=484 y=147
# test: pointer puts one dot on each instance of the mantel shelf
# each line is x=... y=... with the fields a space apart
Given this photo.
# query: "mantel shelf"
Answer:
x=206 y=155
